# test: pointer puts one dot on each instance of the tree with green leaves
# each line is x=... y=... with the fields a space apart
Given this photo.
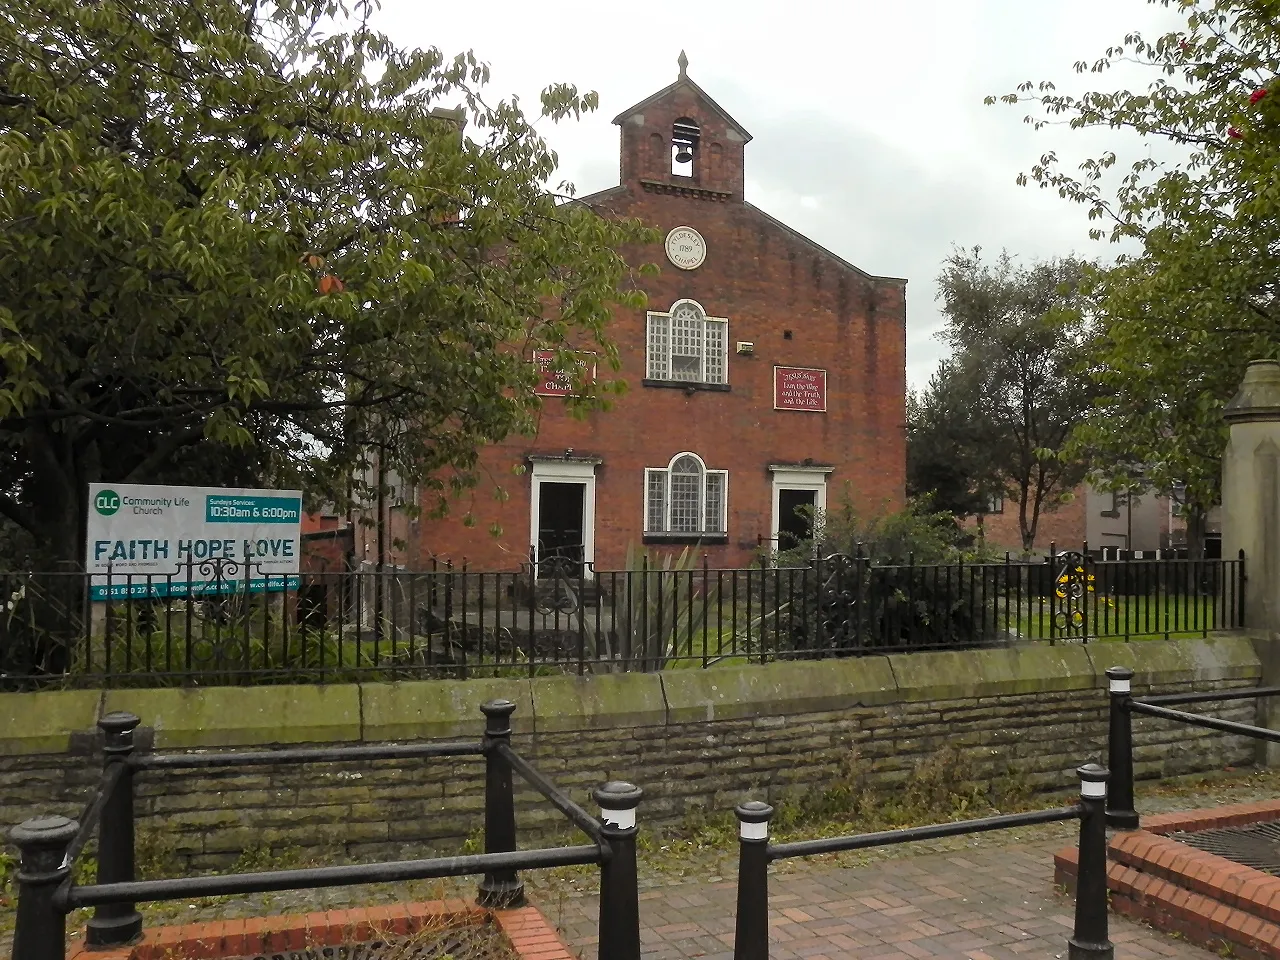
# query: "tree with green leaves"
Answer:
x=240 y=240
x=1007 y=399
x=1177 y=323
x=954 y=455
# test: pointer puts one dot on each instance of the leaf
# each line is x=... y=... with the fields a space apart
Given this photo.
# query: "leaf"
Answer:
x=330 y=284
x=1175 y=325
x=234 y=254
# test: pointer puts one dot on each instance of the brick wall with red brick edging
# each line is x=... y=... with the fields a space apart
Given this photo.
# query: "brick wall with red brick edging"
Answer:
x=528 y=931
x=1210 y=900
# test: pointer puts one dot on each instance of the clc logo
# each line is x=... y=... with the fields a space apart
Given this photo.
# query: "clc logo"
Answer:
x=106 y=502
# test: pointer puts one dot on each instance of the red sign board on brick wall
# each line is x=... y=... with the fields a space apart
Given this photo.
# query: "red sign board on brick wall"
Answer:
x=800 y=388
x=556 y=383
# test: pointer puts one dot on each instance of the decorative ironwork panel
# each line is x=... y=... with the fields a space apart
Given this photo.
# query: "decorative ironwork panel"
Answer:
x=838 y=600
x=1071 y=587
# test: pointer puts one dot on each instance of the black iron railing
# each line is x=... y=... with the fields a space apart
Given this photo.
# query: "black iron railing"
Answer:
x=227 y=626
x=1123 y=705
x=50 y=846
x=1089 y=940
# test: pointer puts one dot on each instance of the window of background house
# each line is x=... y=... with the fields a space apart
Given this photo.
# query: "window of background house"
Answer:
x=688 y=346
x=995 y=503
x=1118 y=499
x=685 y=497
x=398 y=492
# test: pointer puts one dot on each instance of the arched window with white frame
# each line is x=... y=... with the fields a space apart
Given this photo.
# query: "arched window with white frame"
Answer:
x=686 y=345
x=684 y=498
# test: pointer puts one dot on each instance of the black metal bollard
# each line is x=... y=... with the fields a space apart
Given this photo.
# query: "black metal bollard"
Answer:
x=751 y=936
x=500 y=888
x=41 y=932
x=1120 y=812
x=1090 y=940
x=116 y=924
x=619 y=890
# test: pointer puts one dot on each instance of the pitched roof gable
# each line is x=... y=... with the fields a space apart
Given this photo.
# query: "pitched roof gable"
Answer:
x=684 y=81
x=817 y=247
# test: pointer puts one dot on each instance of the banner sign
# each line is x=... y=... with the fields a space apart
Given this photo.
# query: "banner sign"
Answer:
x=160 y=541
x=800 y=388
x=557 y=383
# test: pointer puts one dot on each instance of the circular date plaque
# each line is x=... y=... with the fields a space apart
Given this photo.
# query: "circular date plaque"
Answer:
x=686 y=248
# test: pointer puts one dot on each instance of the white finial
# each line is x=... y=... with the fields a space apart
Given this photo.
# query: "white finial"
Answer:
x=683 y=61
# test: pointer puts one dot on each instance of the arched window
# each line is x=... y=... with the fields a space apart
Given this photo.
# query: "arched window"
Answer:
x=657 y=152
x=687 y=345
x=713 y=171
x=686 y=483
x=685 y=134
x=685 y=498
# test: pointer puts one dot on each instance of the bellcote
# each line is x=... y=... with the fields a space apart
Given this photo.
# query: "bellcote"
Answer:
x=681 y=141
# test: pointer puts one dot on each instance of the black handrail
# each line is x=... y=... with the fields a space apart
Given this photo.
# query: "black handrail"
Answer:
x=1211 y=723
x=139 y=891
x=93 y=810
x=1251 y=693
x=259 y=758
x=558 y=798
x=48 y=846
x=1089 y=939
x=863 y=841
x=1122 y=705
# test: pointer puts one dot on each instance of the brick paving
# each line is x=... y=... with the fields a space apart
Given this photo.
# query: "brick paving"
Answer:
x=988 y=897
x=988 y=903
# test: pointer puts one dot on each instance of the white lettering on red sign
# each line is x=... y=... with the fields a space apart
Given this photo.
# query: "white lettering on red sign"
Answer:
x=552 y=382
x=800 y=388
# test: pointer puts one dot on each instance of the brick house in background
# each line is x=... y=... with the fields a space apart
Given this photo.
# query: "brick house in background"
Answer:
x=327 y=541
x=766 y=374
x=1104 y=519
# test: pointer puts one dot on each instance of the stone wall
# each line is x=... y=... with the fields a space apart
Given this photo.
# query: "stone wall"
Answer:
x=694 y=739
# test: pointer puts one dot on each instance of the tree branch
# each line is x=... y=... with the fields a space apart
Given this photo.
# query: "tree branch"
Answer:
x=9 y=508
x=164 y=452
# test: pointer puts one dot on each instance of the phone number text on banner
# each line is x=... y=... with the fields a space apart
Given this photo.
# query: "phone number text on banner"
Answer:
x=156 y=587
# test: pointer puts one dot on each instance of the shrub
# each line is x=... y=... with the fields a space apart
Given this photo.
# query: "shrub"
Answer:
x=900 y=580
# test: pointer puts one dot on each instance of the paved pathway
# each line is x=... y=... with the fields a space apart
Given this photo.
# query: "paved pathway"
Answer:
x=987 y=897
x=989 y=903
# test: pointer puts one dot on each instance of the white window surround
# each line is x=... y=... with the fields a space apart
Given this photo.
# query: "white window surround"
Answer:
x=565 y=470
x=712 y=491
x=684 y=345
x=788 y=477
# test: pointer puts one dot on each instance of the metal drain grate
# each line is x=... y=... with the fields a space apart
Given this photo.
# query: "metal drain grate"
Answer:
x=1256 y=845
x=465 y=942
x=359 y=951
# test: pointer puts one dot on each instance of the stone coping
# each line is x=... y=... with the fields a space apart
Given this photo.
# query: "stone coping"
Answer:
x=530 y=934
x=62 y=721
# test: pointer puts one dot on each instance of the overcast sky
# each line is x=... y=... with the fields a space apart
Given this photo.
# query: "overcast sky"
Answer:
x=870 y=132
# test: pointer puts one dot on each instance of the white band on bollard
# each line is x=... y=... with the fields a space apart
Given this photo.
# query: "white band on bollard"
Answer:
x=1093 y=789
x=1120 y=686
x=753 y=831
x=622 y=819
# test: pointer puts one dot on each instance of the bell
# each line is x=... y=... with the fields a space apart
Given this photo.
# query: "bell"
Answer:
x=684 y=153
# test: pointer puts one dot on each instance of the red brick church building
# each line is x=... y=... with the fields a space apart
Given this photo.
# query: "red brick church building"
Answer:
x=766 y=373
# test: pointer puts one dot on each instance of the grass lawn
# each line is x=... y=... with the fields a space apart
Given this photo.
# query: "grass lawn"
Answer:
x=1133 y=618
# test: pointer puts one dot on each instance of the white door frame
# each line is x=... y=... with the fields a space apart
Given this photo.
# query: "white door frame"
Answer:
x=564 y=470
x=790 y=477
